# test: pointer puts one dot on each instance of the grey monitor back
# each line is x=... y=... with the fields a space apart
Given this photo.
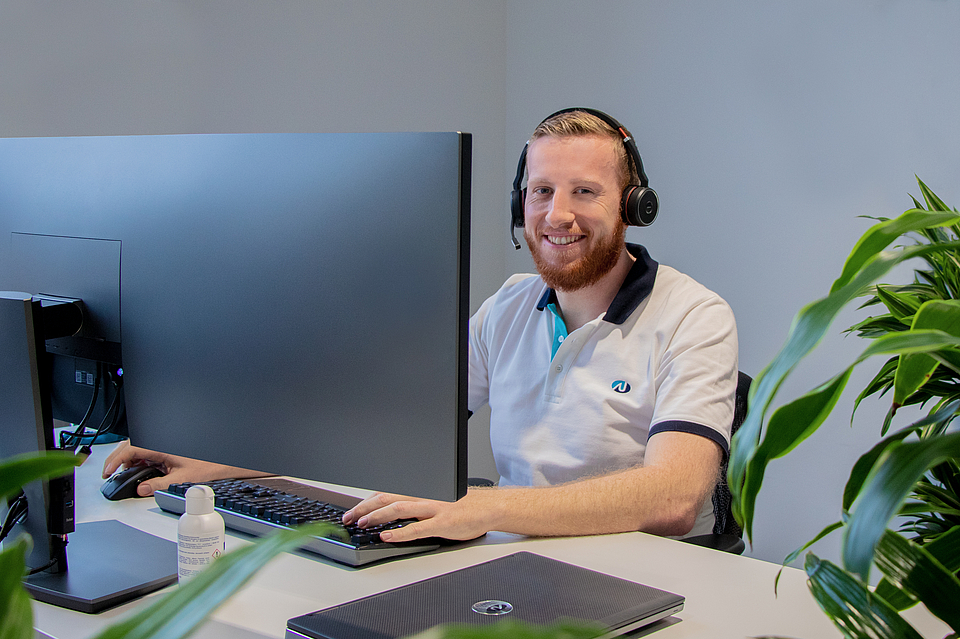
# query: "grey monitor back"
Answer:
x=292 y=303
x=22 y=408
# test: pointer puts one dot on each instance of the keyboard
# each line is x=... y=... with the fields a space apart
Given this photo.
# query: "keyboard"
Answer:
x=260 y=506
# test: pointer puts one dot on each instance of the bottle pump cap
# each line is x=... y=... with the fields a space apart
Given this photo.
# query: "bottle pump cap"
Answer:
x=200 y=500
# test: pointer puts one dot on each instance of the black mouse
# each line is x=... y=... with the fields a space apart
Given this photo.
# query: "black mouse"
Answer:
x=123 y=484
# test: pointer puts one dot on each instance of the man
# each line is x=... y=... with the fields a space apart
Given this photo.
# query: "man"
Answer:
x=610 y=378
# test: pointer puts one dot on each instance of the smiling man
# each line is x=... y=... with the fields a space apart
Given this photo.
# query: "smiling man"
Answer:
x=610 y=378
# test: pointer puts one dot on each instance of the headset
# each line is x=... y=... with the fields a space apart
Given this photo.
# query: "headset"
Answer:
x=638 y=204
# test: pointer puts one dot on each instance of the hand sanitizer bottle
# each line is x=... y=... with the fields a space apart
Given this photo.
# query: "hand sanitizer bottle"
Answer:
x=200 y=534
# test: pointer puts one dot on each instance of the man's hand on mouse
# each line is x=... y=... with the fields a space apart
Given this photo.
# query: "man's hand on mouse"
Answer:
x=177 y=470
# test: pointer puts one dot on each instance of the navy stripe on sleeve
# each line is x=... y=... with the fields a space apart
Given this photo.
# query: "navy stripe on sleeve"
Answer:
x=693 y=429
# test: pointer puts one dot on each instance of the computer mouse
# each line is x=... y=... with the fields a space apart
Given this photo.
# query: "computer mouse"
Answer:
x=123 y=484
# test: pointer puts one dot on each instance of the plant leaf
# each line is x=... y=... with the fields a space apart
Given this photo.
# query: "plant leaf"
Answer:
x=884 y=490
x=923 y=340
x=181 y=611
x=934 y=203
x=850 y=604
x=16 y=615
x=789 y=426
x=880 y=382
x=794 y=422
x=866 y=462
x=915 y=369
x=912 y=373
x=950 y=359
x=945 y=549
x=914 y=570
x=823 y=533
x=20 y=470
x=918 y=509
x=901 y=306
x=879 y=237
x=796 y=553
x=808 y=328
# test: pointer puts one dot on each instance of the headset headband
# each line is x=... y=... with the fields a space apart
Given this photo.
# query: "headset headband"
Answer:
x=639 y=203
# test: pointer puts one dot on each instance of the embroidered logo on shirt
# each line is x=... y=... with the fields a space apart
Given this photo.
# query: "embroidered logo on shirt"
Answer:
x=621 y=386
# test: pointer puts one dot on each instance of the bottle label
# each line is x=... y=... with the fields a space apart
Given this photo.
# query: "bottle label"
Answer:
x=194 y=552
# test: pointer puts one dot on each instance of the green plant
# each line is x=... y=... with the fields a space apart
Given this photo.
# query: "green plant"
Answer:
x=16 y=616
x=912 y=471
x=172 y=616
x=932 y=300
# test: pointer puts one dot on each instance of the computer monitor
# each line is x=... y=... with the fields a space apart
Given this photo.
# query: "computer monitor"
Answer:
x=291 y=303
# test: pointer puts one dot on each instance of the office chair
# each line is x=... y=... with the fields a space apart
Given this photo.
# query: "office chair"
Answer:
x=727 y=535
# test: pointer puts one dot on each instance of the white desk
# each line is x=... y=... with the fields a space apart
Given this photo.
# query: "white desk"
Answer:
x=726 y=595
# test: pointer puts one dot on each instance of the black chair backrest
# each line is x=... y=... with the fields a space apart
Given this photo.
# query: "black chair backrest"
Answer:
x=722 y=500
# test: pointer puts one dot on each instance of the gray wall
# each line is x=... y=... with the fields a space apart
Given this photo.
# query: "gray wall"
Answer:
x=108 y=67
x=766 y=128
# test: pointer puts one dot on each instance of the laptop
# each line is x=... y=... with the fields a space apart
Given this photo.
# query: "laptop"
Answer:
x=524 y=587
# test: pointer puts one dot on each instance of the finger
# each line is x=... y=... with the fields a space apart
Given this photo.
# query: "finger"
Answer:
x=404 y=509
x=147 y=488
x=370 y=504
x=131 y=456
x=409 y=532
x=116 y=458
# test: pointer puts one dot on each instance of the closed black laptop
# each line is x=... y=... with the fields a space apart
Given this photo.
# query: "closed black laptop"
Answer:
x=522 y=586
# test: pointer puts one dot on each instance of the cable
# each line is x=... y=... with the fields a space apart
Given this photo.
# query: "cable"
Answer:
x=50 y=564
x=113 y=408
x=72 y=440
x=16 y=514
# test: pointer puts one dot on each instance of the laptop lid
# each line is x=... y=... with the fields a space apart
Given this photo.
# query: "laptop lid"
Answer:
x=523 y=586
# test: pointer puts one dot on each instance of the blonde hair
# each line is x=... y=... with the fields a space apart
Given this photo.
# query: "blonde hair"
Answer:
x=581 y=123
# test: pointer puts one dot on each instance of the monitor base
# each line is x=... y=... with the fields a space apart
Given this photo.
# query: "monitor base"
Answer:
x=110 y=563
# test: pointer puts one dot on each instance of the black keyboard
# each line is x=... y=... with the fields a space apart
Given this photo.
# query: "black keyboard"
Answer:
x=260 y=506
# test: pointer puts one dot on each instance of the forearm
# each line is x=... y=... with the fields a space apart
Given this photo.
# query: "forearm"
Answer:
x=663 y=497
x=645 y=499
x=176 y=469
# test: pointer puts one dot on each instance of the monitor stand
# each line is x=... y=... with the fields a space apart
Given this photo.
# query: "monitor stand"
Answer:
x=110 y=563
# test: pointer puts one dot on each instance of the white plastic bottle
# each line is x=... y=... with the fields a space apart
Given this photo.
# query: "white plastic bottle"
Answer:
x=200 y=534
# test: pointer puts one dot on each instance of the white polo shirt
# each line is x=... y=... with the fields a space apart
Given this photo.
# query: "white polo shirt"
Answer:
x=564 y=407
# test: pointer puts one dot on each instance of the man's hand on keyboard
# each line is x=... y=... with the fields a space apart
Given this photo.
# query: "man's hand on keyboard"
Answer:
x=468 y=518
x=177 y=470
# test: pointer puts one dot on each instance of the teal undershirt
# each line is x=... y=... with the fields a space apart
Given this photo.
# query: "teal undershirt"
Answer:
x=559 y=329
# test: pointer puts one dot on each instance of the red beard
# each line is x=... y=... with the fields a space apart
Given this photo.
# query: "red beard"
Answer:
x=582 y=272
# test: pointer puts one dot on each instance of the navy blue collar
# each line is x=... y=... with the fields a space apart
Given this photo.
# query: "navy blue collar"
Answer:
x=635 y=288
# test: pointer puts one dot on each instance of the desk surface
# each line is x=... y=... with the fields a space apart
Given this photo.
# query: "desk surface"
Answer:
x=726 y=595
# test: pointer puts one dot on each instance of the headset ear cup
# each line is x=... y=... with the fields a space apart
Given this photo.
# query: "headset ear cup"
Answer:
x=517 y=197
x=639 y=205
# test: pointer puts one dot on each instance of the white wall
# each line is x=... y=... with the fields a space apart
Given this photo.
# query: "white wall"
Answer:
x=766 y=128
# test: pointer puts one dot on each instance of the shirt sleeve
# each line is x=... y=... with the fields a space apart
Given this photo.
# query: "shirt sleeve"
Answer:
x=478 y=393
x=697 y=374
